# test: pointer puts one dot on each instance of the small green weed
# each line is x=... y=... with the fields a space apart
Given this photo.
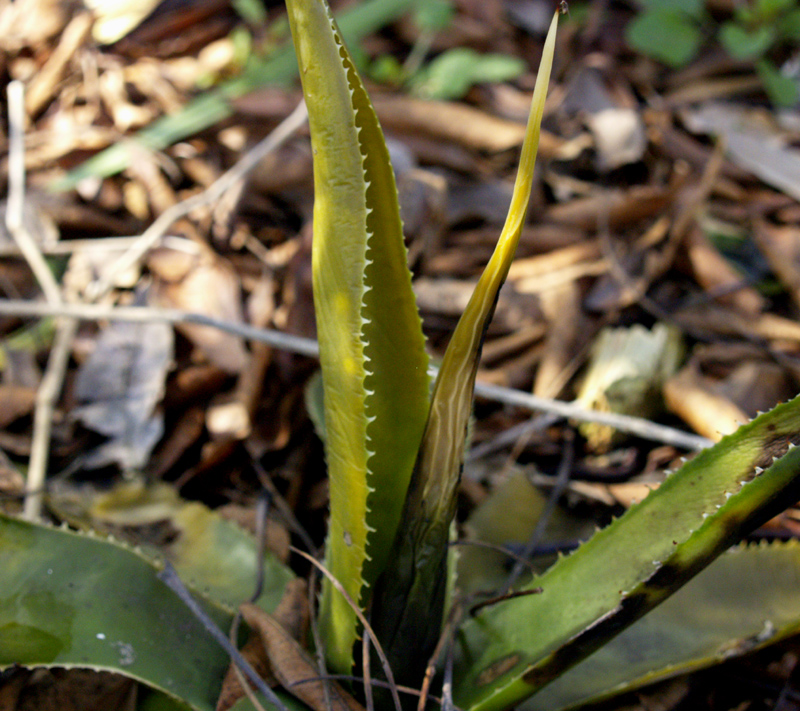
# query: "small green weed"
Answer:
x=672 y=31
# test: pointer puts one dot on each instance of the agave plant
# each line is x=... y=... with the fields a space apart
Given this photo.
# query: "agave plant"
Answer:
x=395 y=453
x=394 y=450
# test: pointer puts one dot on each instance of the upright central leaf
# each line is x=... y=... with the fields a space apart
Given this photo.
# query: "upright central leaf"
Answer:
x=409 y=598
x=372 y=353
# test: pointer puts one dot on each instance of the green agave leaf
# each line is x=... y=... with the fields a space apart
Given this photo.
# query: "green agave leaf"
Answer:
x=372 y=351
x=70 y=600
x=210 y=553
x=509 y=651
x=744 y=600
x=409 y=598
x=216 y=105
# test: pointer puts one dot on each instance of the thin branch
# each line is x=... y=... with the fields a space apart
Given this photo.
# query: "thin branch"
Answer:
x=283 y=508
x=262 y=511
x=171 y=579
x=212 y=194
x=309 y=347
x=360 y=680
x=15 y=221
x=387 y=669
x=369 y=701
x=53 y=378
x=319 y=644
x=46 y=398
x=562 y=480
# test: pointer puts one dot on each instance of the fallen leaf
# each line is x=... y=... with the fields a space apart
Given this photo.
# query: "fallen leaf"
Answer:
x=118 y=389
x=292 y=665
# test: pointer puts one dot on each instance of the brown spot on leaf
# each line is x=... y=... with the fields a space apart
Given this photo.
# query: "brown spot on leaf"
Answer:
x=497 y=669
x=777 y=446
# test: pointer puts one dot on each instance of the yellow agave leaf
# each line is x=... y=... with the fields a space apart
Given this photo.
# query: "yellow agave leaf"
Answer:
x=413 y=588
x=371 y=345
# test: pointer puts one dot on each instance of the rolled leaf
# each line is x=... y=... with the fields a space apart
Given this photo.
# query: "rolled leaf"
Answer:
x=409 y=598
x=374 y=365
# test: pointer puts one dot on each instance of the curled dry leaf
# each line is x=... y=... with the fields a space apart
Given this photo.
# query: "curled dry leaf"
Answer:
x=781 y=247
x=293 y=666
x=118 y=389
x=725 y=385
x=611 y=115
x=627 y=370
x=293 y=614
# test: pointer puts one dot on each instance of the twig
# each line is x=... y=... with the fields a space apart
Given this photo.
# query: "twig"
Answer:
x=319 y=644
x=309 y=347
x=106 y=244
x=46 y=398
x=16 y=195
x=368 y=699
x=562 y=480
x=520 y=432
x=279 y=502
x=53 y=379
x=387 y=669
x=262 y=511
x=171 y=579
x=158 y=229
x=142 y=314
x=447 y=683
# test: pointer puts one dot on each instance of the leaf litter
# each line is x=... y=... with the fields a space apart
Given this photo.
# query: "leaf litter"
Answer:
x=665 y=198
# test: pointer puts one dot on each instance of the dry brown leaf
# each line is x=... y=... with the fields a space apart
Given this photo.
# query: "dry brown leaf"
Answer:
x=292 y=613
x=622 y=208
x=781 y=247
x=715 y=273
x=449 y=121
x=254 y=654
x=15 y=401
x=291 y=664
x=210 y=287
x=611 y=113
x=706 y=412
x=724 y=385
x=184 y=433
x=752 y=141
x=449 y=297
x=44 y=84
x=715 y=319
x=568 y=326
x=542 y=272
